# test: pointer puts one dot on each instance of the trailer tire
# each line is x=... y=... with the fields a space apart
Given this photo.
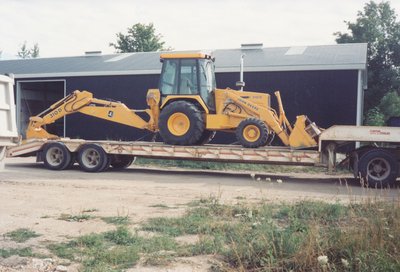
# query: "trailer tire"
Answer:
x=252 y=133
x=378 y=168
x=92 y=158
x=207 y=137
x=122 y=161
x=56 y=156
x=181 y=123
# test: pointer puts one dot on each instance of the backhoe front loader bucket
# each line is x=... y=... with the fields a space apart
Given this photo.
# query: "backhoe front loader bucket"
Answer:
x=304 y=133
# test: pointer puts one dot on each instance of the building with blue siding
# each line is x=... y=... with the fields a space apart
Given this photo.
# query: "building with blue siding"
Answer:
x=326 y=83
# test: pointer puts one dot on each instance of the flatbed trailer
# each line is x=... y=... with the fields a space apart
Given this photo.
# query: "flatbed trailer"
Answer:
x=376 y=161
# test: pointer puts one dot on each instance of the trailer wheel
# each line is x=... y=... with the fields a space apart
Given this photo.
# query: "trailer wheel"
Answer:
x=181 y=123
x=56 y=156
x=252 y=132
x=92 y=158
x=207 y=137
x=122 y=161
x=378 y=168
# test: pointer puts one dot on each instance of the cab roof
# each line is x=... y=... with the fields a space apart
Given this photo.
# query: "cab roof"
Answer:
x=185 y=56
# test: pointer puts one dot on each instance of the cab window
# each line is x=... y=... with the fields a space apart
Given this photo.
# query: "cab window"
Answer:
x=188 y=77
x=168 y=80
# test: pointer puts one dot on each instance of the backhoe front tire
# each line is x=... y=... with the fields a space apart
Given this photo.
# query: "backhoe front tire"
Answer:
x=93 y=158
x=181 y=123
x=252 y=133
x=56 y=156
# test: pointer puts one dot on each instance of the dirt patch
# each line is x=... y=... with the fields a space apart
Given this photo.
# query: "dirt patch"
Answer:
x=35 y=198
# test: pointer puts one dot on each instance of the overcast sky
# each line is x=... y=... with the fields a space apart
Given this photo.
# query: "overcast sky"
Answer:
x=71 y=27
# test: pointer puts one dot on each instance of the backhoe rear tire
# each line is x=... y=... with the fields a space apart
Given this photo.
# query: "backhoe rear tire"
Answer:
x=122 y=161
x=181 y=123
x=56 y=156
x=93 y=158
x=252 y=133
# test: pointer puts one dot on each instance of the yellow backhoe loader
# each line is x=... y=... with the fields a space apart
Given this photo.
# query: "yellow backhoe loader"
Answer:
x=188 y=109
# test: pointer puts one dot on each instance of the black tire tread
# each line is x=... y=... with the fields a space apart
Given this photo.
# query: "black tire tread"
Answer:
x=207 y=137
x=363 y=171
x=196 y=123
x=122 y=161
x=262 y=141
x=104 y=162
x=67 y=155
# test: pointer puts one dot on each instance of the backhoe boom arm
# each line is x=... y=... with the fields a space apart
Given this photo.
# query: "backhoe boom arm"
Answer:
x=83 y=102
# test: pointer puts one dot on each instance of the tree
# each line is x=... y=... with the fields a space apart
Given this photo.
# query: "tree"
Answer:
x=140 y=38
x=35 y=51
x=378 y=26
x=25 y=53
x=389 y=106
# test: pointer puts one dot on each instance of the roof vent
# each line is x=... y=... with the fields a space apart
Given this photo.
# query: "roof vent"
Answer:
x=92 y=53
x=250 y=46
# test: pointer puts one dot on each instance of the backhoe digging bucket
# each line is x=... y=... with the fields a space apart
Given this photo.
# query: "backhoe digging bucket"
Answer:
x=305 y=133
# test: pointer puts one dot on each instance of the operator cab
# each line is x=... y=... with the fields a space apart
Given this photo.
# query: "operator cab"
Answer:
x=188 y=74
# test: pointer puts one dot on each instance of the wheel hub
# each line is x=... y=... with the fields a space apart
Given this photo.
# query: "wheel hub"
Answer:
x=178 y=124
x=55 y=156
x=251 y=133
x=379 y=168
x=91 y=158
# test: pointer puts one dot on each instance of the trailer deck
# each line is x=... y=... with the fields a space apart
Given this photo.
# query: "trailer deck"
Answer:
x=231 y=153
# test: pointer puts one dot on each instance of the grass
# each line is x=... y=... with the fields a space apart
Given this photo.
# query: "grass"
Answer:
x=256 y=237
x=21 y=235
x=90 y=210
x=290 y=237
x=111 y=251
x=22 y=252
x=222 y=166
x=117 y=220
x=75 y=218
x=163 y=206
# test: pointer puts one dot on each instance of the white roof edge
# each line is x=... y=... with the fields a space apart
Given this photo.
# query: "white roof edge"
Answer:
x=217 y=70
x=94 y=73
x=293 y=68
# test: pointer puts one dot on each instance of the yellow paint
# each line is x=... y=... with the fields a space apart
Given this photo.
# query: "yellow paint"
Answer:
x=251 y=133
x=178 y=124
x=153 y=98
x=299 y=137
x=185 y=56
x=174 y=97
x=83 y=102
x=231 y=108
x=221 y=122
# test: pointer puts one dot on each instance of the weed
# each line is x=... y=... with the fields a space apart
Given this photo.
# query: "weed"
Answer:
x=111 y=259
x=160 y=206
x=228 y=166
x=258 y=237
x=159 y=258
x=90 y=210
x=121 y=236
x=117 y=220
x=75 y=218
x=206 y=245
x=21 y=235
x=63 y=250
x=159 y=243
x=112 y=250
x=23 y=252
